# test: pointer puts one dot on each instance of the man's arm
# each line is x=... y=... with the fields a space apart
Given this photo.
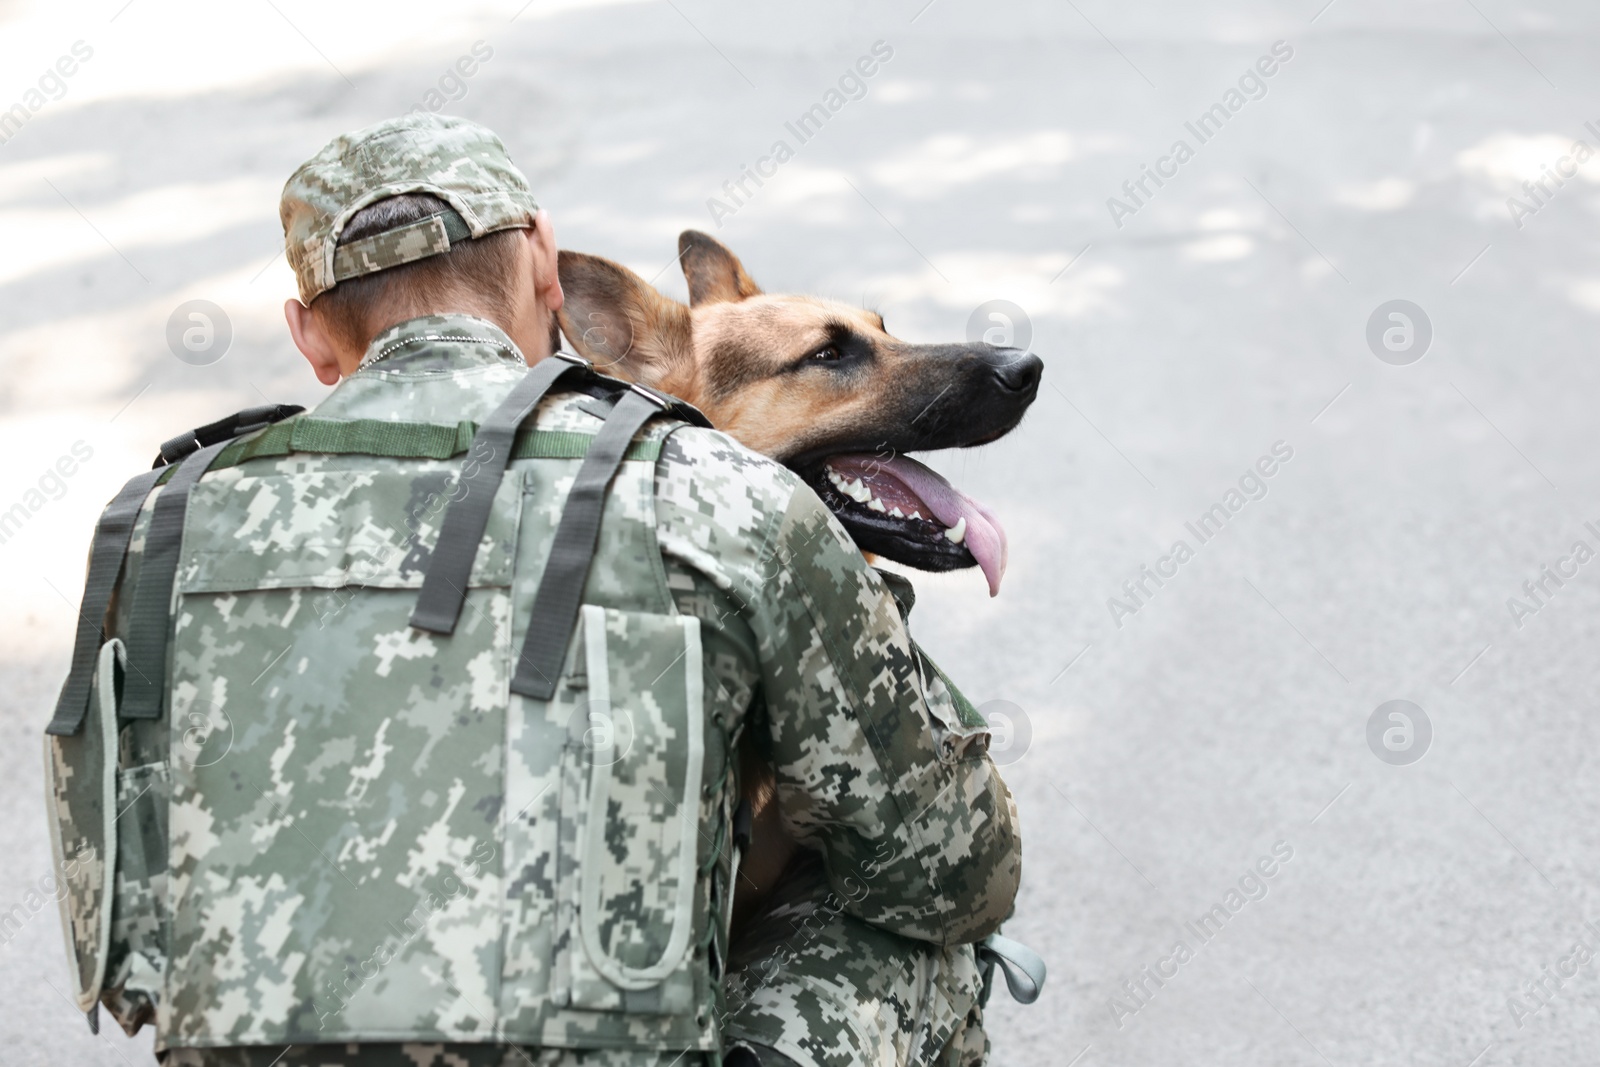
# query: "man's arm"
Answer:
x=877 y=765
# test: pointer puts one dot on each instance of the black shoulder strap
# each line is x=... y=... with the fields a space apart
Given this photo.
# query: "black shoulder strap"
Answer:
x=444 y=587
x=111 y=537
x=241 y=422
x=150 y=622
x=555 y=604
x=105 y=563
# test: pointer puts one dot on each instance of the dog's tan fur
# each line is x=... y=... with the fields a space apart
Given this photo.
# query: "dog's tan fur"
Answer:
x=757 y=365
x=723 y=354
x=727 y=351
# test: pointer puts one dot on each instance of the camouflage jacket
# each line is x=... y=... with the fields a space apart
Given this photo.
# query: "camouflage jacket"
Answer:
x=345 y=829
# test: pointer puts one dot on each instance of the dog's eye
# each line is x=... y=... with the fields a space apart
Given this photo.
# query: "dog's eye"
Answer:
x=825 y=354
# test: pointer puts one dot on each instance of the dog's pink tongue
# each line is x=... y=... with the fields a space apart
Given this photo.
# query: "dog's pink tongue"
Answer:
x=985 y=537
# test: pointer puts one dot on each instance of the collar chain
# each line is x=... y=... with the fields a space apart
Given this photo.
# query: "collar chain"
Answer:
x=368 y=360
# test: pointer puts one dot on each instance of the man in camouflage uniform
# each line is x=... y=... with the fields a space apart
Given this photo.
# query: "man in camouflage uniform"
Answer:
x=344 y=840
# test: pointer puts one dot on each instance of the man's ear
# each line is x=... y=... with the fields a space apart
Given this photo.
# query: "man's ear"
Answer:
x=714 y=273
x=313 y=342
x=615 y=318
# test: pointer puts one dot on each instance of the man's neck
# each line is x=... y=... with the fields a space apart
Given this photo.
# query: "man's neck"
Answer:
x=460 y=319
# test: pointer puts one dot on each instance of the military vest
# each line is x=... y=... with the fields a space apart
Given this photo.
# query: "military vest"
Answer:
x=400 y=738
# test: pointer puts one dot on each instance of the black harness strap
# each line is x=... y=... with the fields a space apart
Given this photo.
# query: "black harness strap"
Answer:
x=444 y=587
x=151 y=619
x=555 y=604
x=111 y=538
x=224 y=430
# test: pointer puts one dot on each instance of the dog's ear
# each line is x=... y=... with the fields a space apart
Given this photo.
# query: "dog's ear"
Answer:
x=615 y=318
x=714 y=273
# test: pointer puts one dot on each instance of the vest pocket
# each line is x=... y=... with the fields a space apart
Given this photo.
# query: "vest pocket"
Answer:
x=81 y=787
x=635 y=816
x=138 y=953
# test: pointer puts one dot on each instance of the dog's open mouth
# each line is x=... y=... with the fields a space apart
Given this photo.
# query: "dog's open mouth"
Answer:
x=906 y=512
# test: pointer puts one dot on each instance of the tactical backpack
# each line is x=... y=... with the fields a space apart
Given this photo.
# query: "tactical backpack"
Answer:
x=378 y=754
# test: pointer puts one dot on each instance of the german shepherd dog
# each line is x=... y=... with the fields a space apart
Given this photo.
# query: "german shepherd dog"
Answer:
x=824 y=389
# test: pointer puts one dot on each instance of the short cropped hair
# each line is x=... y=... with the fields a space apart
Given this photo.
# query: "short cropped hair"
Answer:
x=482 y=272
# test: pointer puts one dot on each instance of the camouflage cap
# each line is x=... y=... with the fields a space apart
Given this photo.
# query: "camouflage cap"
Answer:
x=458 y=161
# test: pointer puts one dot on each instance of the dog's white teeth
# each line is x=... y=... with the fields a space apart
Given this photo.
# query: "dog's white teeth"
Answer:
x=897 y=513
x=958 y=532
x=916 y=514
x=876 y=505
x=854 y=488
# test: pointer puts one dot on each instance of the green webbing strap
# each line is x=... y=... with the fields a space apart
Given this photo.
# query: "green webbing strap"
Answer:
x=409 y=440
x=555 y=604
x=105 y=563
x=406 y=440
x=151 y=619
x=1024 y=968
x=566 y=444
x=444 y=587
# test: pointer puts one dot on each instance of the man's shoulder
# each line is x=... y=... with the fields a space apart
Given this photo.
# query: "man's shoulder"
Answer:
x=725 y=510
x=709 y=471
x=735 y=511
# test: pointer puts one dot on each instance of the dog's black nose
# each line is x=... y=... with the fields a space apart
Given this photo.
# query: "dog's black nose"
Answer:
x=1017 y=371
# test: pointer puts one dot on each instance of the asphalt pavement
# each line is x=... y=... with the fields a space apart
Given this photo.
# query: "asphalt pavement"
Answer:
x=1316 y=434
